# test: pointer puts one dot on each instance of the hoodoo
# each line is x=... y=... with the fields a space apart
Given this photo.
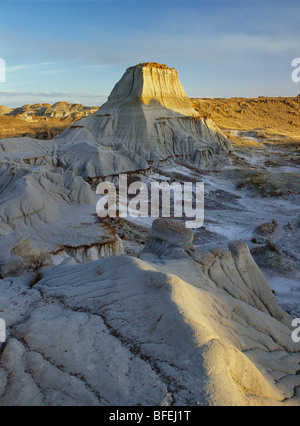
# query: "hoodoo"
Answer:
x=148 y=118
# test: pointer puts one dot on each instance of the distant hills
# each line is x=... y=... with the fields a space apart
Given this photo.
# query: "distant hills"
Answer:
x=58 y=110
x=278 y=115
x=41 y=121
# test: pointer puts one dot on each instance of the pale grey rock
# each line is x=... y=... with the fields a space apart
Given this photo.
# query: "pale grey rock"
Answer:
x=32 y=195
x=75 y=234
x=177 y=326
x=169 y=238
x=217 y=251
x=150 y=338
x=254 y=280
x=202 y=257
x=173 y=232
x=148 y=118
x=161 y=331
x=41 y=223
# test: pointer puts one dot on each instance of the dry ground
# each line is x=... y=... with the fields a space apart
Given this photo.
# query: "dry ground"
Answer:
x=269 y=119
x=40 y=128
x=41 y=121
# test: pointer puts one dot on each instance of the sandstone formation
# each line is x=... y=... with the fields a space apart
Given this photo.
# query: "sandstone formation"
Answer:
x=5 y=110
x=179 y=322
x=59 y=110
x=159 y=331
x=46 y=213
x=147 y=119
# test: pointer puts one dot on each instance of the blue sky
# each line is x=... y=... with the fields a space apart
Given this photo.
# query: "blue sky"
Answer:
x=76 y=50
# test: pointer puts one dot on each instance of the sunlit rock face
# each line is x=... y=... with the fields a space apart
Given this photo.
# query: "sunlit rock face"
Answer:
x=148 y=118
x=177 y=326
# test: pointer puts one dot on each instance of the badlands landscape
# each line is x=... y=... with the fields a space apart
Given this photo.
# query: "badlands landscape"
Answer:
x=143 y=311
x=40 y=121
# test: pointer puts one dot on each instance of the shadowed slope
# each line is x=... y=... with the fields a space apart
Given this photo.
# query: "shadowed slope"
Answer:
x=148 y=118
x=175 y=327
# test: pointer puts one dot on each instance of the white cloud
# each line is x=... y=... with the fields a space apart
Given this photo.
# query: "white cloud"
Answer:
x=9 y=93
x=23 y=67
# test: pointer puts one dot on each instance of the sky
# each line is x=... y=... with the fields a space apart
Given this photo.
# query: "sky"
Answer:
x=76 y=51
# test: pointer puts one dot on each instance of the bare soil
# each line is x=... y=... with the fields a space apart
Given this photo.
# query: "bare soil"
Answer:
x=272 y=120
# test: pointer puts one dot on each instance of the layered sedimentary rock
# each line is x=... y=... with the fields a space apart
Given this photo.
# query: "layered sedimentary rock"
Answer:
x=176 y=327
x=59 y=110
x=46 y=213
x=148 y=118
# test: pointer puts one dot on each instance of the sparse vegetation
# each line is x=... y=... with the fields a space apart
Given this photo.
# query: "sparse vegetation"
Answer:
x=268 y=118
x=268 y=256
x=267 y=228
x=259 y=181
x=272 y=116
